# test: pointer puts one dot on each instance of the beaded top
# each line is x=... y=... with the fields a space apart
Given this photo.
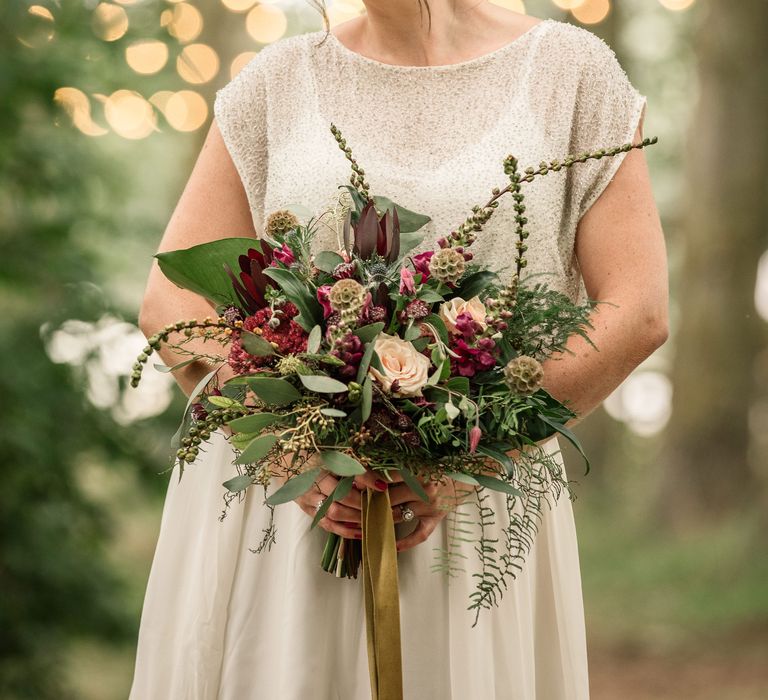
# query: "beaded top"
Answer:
x=433 y=138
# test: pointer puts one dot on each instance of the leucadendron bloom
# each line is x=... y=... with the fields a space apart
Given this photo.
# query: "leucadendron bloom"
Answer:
x=450 y=311
x=405 y=369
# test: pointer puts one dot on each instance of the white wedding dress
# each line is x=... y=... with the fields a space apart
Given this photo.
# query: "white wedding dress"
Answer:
x=220 y=621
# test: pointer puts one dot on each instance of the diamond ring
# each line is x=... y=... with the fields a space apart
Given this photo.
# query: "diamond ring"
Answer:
x=407 y=513
x=320 y=504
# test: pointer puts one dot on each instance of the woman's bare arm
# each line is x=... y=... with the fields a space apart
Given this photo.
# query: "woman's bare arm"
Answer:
x=212 y=206
x=621 y=252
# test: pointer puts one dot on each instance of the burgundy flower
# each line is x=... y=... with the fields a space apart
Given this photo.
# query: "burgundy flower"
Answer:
x=407 y=283
x=374 y=235
x=421 y=263
x=350 y=350
x=472 y=360
x=325 y=302
x=474 y=438
x=466 y=326
x=252 y=282
x=284 y=255
x=289 y=337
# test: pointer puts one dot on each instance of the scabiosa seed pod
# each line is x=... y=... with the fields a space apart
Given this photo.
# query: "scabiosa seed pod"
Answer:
x=417 y=310
x=347 y=295
x=280 y=222
x=524 y=374
x=447 y=265
x=344 y=271
x=232 y=314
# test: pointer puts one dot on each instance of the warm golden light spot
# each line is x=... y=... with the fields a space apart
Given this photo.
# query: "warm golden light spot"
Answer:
x=40 y=11
x=591 y=11
x=568 y=4
x=239 y=62
x=36 y=29
x=129 y=114
x=184 y=22
x=186 y=110
x=127 y=2
x=676 y=4
x=146 y=57
x=266 y=23
x=343 y=10
x=77 y=105
x=109 y=22
x=197 y=63
x=238 y=5
x=514 y=5
x=160 y=99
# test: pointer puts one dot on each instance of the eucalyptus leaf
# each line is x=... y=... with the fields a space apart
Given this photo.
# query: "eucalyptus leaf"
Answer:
x=222 y=401
x=323 y=384
x=294 y=487
x=437 y=323
x=164 y=368
x=200 y=269
x=368 y=333
x=257 y=449
x=458 y=384
x=568 y=435
x=365 y=363
x=341 y=464
x=501 y=457
x=273 y=391
x=409 y=220
x=241 y=440
x=408 y=241
x=238 y=483
x=333 y=412
x=253 y=423
x=328 y=261
x=313 y=342
x=475 y=283
x=367 y=400
x=256 y=345
x=463 y=478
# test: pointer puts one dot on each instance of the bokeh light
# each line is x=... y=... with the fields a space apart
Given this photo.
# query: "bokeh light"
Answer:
x=109 y=22
x=266 y=23
x=186 y=110
x=197 y=63
x=238 y=5
x=129 y=114
x=676 y=4
x=761 y=287
x=643 y=401
x=37 y=29
x=146 y=57
x=568 y=4
x=591 y=11
x=239 y=62
x=183 y=22
x=77 y=105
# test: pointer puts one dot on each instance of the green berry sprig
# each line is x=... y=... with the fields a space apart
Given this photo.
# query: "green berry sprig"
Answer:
x=200 y=431
x=465 y=234
x=187 y=328
x=358 y=174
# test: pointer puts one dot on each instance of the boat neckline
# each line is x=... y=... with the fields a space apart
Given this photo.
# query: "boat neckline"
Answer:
x=441 y=67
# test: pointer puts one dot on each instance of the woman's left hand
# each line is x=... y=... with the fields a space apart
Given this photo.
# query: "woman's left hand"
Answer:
x=444 y=496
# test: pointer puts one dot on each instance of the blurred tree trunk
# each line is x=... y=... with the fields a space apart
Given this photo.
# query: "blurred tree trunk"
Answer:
x=706 y=463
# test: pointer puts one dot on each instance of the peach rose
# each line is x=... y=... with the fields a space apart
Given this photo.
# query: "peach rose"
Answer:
x=450 y=310
x=401 y=363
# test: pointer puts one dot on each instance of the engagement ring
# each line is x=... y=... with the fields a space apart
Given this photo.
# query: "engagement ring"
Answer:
x=406 y=513
x=319 y=504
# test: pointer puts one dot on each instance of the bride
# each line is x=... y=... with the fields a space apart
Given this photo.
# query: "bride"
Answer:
x=433 y=96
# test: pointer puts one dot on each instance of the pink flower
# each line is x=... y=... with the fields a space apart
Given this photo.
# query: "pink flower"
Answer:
x=474 y=438
x=471 y=360
x=284 y=255
x=325 y=302
x=421 y=263
x=407 y=284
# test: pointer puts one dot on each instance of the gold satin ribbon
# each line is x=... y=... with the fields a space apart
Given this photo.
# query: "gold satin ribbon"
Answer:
x=382 y=597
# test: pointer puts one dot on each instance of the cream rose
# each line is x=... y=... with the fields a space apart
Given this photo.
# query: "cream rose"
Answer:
x=401 y=362
x=450 y=310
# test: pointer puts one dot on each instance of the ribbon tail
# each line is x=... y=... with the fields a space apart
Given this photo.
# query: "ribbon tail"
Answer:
x=382 y=597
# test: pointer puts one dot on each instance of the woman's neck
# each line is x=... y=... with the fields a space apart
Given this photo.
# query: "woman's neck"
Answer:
x=403 y=32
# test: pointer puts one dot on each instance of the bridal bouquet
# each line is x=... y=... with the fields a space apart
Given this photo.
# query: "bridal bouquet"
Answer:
x=369 y=357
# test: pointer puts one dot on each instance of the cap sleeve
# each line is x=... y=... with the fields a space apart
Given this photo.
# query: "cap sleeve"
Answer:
x=607 y=112
x=240 y=110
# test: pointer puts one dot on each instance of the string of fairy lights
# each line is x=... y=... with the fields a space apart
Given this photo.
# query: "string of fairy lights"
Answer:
x=131 y=115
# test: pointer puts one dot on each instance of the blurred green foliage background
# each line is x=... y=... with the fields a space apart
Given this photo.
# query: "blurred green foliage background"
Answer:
x=104 y=108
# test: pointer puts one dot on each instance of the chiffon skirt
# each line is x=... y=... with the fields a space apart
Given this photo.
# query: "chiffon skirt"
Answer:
x=222 y=622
